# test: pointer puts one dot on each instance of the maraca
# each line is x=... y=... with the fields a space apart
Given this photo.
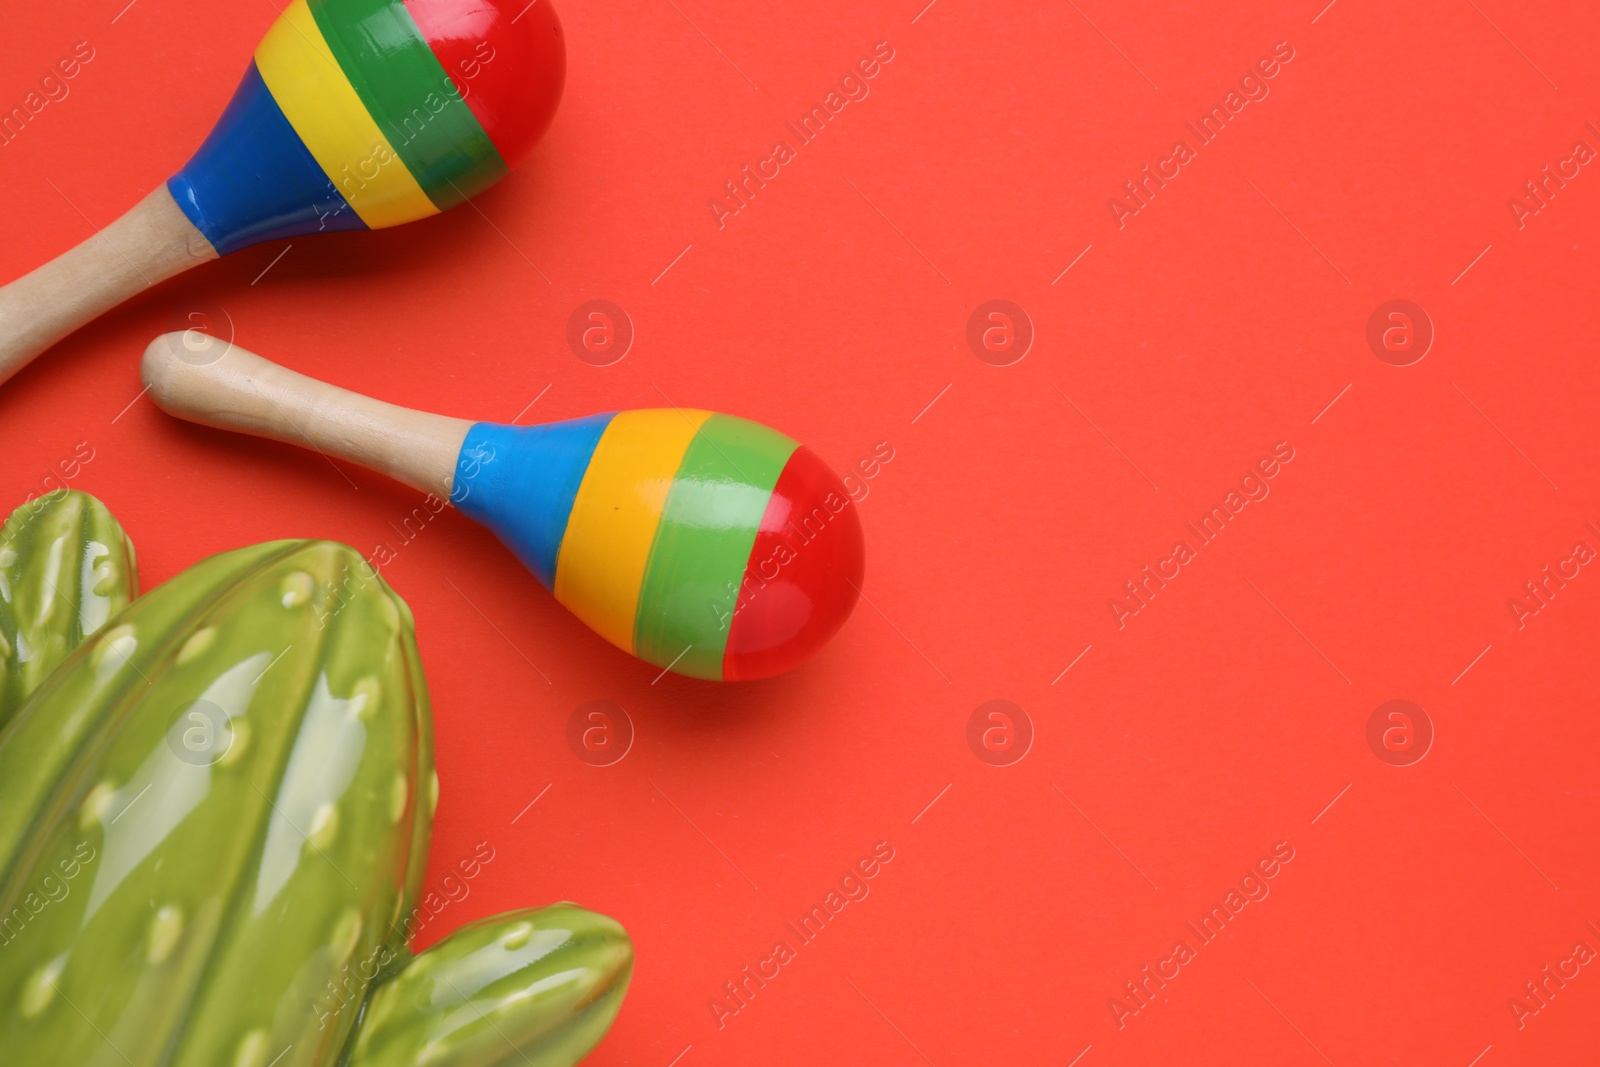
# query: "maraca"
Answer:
x=354 y=114
x=705 y=544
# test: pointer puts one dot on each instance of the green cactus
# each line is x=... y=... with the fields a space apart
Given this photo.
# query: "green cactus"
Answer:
x=65 y=568
x=545 y=981
x=218 y=811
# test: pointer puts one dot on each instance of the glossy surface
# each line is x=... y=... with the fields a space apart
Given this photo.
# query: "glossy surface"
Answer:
x=371 y=113
x=696 y=541
x=214 y=826
x=211 y=815
x=701 y=550
x=547 y=981
x=254 y=180
x=606 y=554
x=415 y=103
x=508 y=59
x=804 y=574
x=65 y=568
x=320 y=99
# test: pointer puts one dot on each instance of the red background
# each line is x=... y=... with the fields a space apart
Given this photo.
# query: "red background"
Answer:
x=1221 y=320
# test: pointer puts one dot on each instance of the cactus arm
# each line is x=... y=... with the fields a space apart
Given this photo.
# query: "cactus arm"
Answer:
x=537 y=988
x=66 y=567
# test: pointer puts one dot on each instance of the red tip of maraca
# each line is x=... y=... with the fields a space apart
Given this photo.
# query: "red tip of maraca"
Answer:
x=507 y=57
x=803 y=576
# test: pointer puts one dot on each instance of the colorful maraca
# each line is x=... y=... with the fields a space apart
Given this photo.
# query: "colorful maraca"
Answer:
x=705 y=544
x=355 y=114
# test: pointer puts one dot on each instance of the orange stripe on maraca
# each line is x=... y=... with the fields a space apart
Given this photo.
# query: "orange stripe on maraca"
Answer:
x=606 y=547
x=697 y=564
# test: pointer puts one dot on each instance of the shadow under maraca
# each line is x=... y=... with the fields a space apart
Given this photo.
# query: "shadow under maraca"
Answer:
x=97 y=366
x=513 y=601
x=446 y=252
x=346 y=270
x=275 y=469
x=730 y=710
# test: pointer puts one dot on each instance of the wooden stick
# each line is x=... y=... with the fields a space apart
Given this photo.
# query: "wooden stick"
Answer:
x=151 y=243
x=207 y=380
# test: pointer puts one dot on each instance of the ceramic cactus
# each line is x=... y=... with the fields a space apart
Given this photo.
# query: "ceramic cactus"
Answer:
x=220 y=809
x=65 y=568
x=548 y=981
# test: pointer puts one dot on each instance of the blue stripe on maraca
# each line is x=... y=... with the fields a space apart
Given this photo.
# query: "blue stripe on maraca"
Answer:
x=520 y=482
x=254 y=180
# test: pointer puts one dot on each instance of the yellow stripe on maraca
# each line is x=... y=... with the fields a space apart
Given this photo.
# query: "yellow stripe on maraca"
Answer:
x=614 y=517
x=320 y=103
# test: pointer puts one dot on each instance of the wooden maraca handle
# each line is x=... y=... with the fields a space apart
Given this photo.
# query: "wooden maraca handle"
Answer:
x=206 y=380
x=151 y=243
